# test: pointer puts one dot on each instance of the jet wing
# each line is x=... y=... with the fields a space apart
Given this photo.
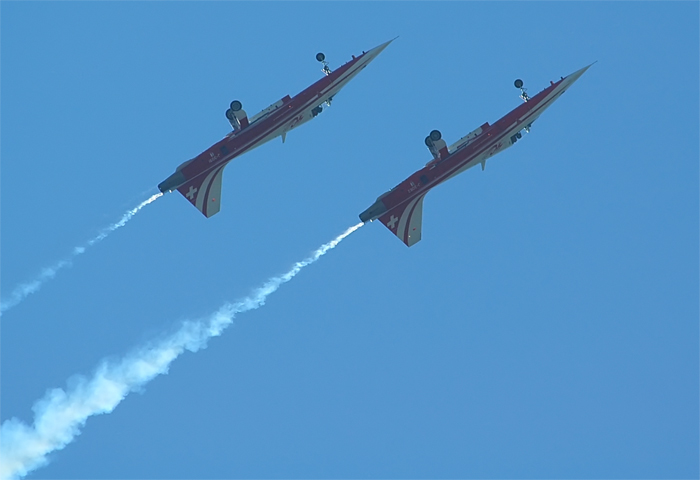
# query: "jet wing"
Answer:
x=405 y=221
x=204 y=192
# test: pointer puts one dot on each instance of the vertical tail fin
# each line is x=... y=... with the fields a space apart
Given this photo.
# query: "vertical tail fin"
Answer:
x=204 y=192
x=405 y=221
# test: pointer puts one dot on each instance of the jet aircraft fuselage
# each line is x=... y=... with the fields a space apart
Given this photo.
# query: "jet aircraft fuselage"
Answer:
x=401 y=208
x=199 y=179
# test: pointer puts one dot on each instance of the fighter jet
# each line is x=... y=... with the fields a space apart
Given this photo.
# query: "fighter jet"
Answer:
x=199 y=179
x=401 y=208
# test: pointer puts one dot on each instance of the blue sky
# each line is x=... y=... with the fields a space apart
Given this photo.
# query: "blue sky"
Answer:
x=546 y=325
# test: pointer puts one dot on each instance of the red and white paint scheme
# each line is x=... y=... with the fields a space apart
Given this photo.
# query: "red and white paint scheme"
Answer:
x=401 y=208
x=199 y=179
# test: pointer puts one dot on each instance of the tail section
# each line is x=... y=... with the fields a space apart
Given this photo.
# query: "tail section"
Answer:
x=204 y=192
x=405 y=221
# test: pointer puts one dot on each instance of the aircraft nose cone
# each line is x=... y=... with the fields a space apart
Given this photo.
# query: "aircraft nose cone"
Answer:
x=577 y=74
x=371 y=54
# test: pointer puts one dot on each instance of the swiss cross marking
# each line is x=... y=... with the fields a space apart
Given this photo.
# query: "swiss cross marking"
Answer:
x=191 y=192
x=392 y=222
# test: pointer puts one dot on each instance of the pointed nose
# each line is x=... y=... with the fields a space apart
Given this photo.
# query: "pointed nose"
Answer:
x=570 y=79
x=371 y=54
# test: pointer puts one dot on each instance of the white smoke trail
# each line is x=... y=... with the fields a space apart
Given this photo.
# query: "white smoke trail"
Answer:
x=23 y=290
x=59 y=416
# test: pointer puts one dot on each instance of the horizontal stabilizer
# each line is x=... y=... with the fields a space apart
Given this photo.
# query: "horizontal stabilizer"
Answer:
x=405 y=221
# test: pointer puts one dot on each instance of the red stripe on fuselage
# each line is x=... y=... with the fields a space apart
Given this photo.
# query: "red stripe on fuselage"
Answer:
x=276 y=119
x=478 y=146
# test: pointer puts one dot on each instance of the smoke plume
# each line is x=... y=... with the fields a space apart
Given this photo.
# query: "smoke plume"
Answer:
x=25 y=289
x=59 y=416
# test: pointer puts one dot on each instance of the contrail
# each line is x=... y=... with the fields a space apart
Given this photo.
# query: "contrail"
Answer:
x=59 y=416
x=23 y=290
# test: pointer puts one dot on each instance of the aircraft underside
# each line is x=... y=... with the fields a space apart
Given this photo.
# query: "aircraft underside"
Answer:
x=401 y=209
